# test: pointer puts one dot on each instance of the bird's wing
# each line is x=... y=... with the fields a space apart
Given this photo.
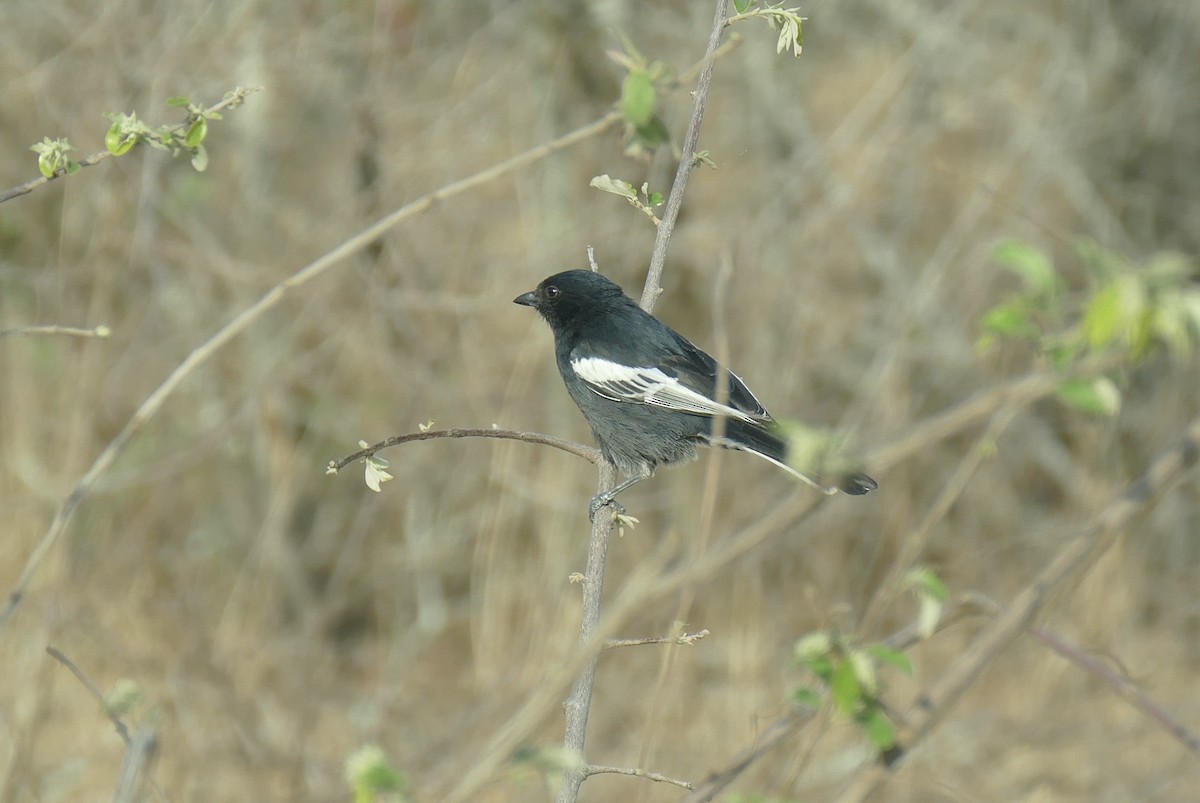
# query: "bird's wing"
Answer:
x=669 y=388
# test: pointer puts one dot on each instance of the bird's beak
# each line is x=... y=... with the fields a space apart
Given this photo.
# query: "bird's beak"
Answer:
x=529 y=299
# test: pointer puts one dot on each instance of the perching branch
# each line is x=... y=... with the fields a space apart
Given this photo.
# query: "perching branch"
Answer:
x=588 y=453
x=579 y=701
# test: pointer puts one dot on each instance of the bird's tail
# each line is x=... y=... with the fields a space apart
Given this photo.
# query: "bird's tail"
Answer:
x=814 y=450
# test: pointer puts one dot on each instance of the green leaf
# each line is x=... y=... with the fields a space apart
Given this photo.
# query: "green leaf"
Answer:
x=178 y=100
x=845 y=688
x=638 y=97
x=1102 y=320
x=926 y=582
x=196 y=133
x=616 y=186
x=879 y=729
x=200 y=159
x=1032 y=265
x=1099 y=396
x=812 y=646
x=117 y=141
x=1009 y=319
x=864 y=671
x=741 y=5
x=886 y=655
x=929 y=613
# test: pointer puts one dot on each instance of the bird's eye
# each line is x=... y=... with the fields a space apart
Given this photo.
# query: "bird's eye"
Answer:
x=552 y=291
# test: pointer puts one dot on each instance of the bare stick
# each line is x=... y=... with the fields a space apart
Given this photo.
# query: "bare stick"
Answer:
x=658 y=257
x=71 y=331
x=121 y=728
x=1119 y=683
x=593 y=769
x=579 y=702
x=1078 y=557
x=588 y=453
x=686 y=639
x=240 y=322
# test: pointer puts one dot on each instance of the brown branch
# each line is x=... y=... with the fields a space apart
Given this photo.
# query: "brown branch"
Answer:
x=686 y=639
x=1076 y=559
x=588 y=453
x=593 y=769
x=231 y=99
x=121 y=728
x=658 y=257
x=1122 y=685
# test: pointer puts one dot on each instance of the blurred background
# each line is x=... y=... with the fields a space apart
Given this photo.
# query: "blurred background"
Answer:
x=274 y=619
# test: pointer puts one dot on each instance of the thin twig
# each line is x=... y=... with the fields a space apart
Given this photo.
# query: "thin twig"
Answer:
x=1119 y=683
x=121 y=728
x=658 y=257
x=592 y=455
x=593 y=769
x=231 y=99
x=686 y=639
x=579 y=701
x=140 y=750
x=240 y=322
x=72 y=331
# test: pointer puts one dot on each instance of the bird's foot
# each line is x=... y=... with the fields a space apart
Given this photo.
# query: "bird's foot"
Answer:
x=599 y=501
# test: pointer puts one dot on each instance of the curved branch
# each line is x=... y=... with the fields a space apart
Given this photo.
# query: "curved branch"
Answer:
x=588 y=453
x=595 y=769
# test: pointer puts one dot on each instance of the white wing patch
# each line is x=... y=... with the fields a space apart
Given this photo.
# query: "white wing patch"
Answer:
x=649 y=386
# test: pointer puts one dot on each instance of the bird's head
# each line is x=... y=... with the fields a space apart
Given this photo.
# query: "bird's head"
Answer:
x=567 y=298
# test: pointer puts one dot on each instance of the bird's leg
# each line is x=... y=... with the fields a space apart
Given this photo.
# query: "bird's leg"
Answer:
x=602 y=499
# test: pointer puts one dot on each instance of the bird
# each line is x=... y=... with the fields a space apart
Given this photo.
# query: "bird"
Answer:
x=649 y=395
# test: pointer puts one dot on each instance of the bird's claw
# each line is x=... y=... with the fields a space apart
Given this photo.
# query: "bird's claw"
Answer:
x=599 y=501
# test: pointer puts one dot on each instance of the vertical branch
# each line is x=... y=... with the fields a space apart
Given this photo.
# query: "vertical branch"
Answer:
x=658 y=257
x=579 y=702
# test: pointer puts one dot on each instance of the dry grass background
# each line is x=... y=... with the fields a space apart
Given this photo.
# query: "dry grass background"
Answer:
x=276 y=619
